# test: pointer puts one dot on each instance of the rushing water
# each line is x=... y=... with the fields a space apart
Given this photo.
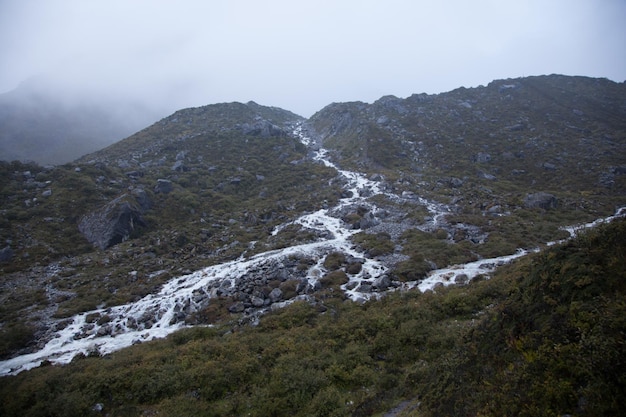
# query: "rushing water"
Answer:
x=160 y=314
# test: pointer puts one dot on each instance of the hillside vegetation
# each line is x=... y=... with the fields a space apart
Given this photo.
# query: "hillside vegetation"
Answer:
x=464 y=176
x=488 y=147
x=199 y=186
x=544 y=337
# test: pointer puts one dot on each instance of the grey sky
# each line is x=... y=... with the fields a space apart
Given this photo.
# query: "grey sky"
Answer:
x=303 y=55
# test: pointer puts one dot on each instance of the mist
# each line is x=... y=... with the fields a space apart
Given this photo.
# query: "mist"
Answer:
x=301 y=56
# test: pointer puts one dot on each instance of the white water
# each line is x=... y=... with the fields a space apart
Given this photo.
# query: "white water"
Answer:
x=158 y=315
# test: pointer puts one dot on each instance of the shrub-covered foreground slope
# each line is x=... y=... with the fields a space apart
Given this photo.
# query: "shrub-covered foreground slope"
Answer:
x=545 y=336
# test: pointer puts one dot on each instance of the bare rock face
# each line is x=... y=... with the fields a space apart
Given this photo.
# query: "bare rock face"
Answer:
x=113 y=223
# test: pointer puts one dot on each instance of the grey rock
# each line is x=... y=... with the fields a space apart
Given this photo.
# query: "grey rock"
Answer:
x=275 y=295
x=382 y=120
x=6 y=254
x=142 y=198
x=365 y=287
x=461 y=279
x=482 y=157
x=163 y=186
x=368 y=220
x=113 y=223
x=262 y=128
x=455 y=182
x=47 y=193
x=382 y=283
x=487 y=176
x=542 y=200
x=179 y=166
x=257 y=301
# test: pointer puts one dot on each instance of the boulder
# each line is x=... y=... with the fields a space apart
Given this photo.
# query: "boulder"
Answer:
x=257 y=301
x=368 y=220
x=382 y=283
x=112 y=223
x=461 y=279
x=482 y=157
x=163 y=186
x=6 y=254
x=142 y=198
x=541 y=200
x=275 y=295
x=455 y=182
x=179 y=166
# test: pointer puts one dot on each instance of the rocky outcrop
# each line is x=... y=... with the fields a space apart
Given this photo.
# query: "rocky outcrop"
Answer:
x=263 y=128
x=541 y=200
x=113 y=223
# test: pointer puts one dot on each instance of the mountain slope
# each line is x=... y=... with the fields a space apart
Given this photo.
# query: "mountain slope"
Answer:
x=543 y=337
x=557 y=133
x=161 y=203
x=462 y=176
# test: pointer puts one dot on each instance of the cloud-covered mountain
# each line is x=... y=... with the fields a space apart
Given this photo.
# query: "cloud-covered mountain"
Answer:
x=42 y=123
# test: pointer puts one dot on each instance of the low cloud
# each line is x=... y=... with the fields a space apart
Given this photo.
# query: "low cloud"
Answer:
x=301 y=55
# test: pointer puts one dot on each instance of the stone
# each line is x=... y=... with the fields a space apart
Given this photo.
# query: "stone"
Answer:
x=382 y=283
x=461 y=279
x=257 y=301
x=541 y=200
x=368 y=220
x=482 y=157
x=112 y=223
x=142 y=198
x=179 y=166
x=275 y=295
x=6 y=254
x=163 y=186
x=262 y=128
x=382 y=120
x=456 y=182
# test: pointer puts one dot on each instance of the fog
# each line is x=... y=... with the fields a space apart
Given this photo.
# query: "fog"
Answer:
x=300 y=55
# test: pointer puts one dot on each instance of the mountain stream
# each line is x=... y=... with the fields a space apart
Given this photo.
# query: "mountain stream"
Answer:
x=160 y=314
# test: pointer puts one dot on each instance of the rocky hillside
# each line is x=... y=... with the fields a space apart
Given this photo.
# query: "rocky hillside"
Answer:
x=456 y=177
x=544 y=337
x=194 y=189
x=492 y=145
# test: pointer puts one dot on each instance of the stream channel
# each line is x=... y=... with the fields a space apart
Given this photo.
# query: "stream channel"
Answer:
x=160 y=314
